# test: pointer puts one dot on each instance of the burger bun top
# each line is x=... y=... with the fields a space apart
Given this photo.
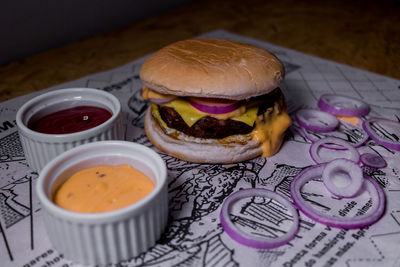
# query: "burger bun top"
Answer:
x=212 y=68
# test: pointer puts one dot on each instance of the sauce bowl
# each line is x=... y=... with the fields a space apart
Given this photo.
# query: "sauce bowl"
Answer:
x=107 y=237
x=40 y=148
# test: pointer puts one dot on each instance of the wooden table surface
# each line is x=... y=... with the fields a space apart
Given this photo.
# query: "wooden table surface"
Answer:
x=363 y=34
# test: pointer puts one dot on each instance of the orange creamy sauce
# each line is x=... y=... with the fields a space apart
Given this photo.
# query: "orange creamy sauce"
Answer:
x=103 y=188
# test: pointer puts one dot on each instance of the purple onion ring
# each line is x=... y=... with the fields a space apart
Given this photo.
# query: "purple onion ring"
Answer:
x=315 y=172
x=354 y=155
x=316 y=120
x=347 y=168
x=343 y=105
x=253 y=241
x=381 y=135
x=373 y=160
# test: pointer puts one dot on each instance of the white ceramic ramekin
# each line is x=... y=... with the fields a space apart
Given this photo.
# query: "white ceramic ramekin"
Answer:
x=39 y=148
x=109 y=237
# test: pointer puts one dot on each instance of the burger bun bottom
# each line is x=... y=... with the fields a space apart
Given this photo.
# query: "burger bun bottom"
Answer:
x=198 y=152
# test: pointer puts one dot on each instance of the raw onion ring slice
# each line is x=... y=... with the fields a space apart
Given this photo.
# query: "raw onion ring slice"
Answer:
x=373 y=160
x=380 y=133
x=376 y=193
x=354 y=155
x=214 y=105
x=337 y=168
x=343 y=105
x=316 y=120
x=253 y=241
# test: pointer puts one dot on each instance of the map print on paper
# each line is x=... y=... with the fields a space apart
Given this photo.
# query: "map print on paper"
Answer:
x=194 y=236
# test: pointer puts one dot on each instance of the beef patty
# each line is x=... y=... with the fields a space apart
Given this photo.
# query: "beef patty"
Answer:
x=210 y=127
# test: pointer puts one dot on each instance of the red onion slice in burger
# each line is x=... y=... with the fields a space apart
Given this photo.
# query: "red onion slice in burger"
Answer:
x=214 y=105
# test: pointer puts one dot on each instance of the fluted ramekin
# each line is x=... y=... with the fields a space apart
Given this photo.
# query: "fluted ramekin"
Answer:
x=109 y=237
x=40 y=148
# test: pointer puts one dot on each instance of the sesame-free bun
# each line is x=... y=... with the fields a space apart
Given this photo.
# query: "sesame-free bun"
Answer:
x=199 y=152
x=212 y=68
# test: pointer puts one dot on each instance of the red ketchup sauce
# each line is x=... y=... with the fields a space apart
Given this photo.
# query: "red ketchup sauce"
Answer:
x=71 y=120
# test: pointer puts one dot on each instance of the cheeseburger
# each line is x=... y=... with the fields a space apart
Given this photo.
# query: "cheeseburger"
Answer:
x=214 y=101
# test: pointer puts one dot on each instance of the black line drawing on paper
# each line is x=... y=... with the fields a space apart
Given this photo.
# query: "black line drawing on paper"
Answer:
x=119 y=85
x=196 y=192
x=138 y=106
x=379 y=175
x=396 y=216
x=14 y=206
x=12 y=211
x=394 y=183
x=11 y=148
x=12 y=161
x=110 y=86
x=6 y=242
x=385 y=133
x=271 y=213
x=383 y=254
x=347 y=132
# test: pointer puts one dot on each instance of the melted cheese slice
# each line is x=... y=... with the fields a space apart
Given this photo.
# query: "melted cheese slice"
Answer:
x=148 y=94
x=191 y=115
x=270 y=129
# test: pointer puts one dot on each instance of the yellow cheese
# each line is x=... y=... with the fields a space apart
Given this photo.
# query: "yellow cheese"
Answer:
x=187 y=112
x=155 y=112
x=269 y=130
x=352 y=120
x=148 y=94
x=191 y=115
x=248 y=117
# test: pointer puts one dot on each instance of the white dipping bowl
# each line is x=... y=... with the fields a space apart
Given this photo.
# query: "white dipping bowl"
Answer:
x=108 y=237
x=40 y=148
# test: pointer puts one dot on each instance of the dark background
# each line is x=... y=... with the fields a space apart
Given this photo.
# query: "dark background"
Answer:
x=30 y=26
x=51 y=42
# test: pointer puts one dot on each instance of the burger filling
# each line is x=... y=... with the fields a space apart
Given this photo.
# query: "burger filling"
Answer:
x=206 y=127
x=263 y=119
